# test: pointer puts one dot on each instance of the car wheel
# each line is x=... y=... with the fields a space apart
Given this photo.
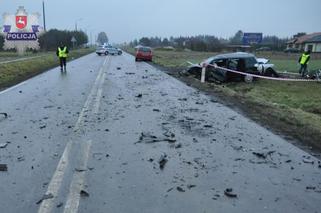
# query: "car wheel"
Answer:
x=98 y=54
x=120 y=52
x=106 y=53
x=136 y=59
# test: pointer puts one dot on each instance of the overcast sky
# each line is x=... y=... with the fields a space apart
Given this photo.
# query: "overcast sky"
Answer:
x=125 y=20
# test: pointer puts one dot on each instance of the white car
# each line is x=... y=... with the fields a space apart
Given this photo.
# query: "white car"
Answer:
x=106 y=50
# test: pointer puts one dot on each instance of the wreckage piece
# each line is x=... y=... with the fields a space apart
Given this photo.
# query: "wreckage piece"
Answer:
x=162 y=161
x=4 y=114
x=229 y=193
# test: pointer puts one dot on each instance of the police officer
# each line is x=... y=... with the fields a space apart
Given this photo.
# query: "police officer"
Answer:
x=304 y=61
x=62 y=53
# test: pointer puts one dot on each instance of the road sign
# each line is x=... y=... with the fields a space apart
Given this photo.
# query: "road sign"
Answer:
x=73 y=39
x=252 y=38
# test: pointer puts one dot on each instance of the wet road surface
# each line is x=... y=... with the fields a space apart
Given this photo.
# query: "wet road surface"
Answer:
x=115 y=135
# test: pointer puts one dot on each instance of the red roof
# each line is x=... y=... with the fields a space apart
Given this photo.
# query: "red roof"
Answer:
x=304 y=38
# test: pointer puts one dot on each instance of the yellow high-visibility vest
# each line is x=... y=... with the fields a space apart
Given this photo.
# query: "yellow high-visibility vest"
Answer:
x=62 y=52
x=304 y=58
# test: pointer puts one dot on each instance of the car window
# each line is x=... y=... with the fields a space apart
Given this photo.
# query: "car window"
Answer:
x=250 y=62
x=219 y=62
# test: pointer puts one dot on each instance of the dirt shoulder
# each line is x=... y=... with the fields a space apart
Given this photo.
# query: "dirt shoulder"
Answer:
x=281 y=120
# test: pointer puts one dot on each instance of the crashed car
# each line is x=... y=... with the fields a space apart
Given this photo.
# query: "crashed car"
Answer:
x=240 y=61
x=106 y=50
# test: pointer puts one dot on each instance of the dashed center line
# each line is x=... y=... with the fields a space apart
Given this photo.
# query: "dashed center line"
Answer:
x=93 y=101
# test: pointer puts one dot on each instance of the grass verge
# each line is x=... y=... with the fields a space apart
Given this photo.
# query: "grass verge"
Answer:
x=16 y=72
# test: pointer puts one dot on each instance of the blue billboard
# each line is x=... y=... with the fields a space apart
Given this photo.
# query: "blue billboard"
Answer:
x=252 y=38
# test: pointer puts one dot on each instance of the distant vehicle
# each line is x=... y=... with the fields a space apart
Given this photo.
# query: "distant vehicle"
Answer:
x=240 y=61
x=291 y=50
x=106 y=50
x=263 y=49
x=144 y=53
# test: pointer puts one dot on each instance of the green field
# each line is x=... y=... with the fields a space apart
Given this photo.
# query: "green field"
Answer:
x=15 y=72
x=297 y=104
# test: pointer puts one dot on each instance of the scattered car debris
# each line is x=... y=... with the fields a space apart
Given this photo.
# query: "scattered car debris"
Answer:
x=80 y=169
x=229 y=193
x=21 y=158
x=162 y=161
x=146 y=137
x=83 y=193
x=4 y=114
x=170 y=189
x=263 y=155
x=139 y=95
x=45 y=197
x=190 y=186
x=310 y=188
x=307 y=159
x=3 y=168
x=180 y=189
x=3 y=145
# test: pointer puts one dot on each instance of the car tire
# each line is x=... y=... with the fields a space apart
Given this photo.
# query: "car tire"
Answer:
x=136 y=59
x=99 y=54
x=106 y=53
x=120 y=52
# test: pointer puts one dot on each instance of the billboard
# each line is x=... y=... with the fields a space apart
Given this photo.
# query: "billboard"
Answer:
x=252 y=38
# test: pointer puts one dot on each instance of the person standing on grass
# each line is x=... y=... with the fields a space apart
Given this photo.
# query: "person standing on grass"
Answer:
x=62 y=53
x=304 y=61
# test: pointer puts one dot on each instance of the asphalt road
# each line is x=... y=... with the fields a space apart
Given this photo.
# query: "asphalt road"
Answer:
x=115 y=135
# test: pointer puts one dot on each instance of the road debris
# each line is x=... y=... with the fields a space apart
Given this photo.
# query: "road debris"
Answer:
x=147 y=137
x=307 y=159
x=59 y=204
x=162 y=161
x=83 y=193
x=139 y=95
x=80 y=169
x=229 y=193
x=3 y=168
x=4 y=114
x=3 y=145
x=263 y=155
x=45 y=197
x=180 y=189
x=190 y=186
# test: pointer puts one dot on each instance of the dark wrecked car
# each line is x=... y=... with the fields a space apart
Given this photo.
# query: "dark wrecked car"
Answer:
x=240 y=61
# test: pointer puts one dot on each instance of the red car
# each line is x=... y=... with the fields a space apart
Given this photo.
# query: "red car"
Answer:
x=144 y=53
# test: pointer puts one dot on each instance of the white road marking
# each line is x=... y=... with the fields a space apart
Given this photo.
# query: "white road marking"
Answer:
x=91 y=96
x=77 y=183
x=14 y=87
x=56 y=181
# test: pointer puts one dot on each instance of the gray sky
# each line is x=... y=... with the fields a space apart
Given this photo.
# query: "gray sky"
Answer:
x=126 y=20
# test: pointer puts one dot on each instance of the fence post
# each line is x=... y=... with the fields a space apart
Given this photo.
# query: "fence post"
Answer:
x=203 y=73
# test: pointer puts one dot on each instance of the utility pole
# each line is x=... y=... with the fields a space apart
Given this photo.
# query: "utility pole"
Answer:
x=44 y=15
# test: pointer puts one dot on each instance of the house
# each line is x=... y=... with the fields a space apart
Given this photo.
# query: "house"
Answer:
x=310 y=42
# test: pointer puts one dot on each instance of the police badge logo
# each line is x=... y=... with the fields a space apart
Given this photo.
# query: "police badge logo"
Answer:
x=21 y=31
x=21 y=22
